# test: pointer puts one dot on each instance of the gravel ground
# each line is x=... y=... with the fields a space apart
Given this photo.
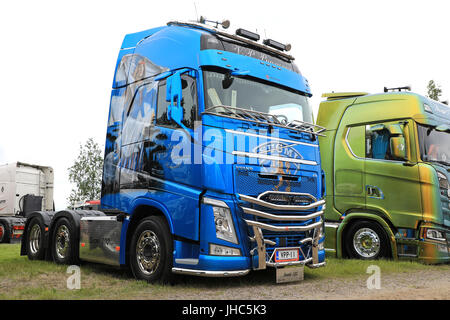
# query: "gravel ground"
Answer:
x=397 y=286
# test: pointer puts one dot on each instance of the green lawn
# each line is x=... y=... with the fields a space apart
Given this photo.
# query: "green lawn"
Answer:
x=24 y=279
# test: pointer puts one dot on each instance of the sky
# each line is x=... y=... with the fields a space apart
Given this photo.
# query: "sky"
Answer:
x=57 y=59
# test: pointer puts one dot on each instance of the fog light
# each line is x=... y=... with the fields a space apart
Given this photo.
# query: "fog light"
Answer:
x=217 y=250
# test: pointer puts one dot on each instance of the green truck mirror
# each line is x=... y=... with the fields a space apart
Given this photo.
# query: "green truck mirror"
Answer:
x=398 y=148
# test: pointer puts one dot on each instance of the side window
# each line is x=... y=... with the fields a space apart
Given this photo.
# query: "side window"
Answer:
x=189 y=103
x=381 y=138
x=355 y=141
x=140 y=116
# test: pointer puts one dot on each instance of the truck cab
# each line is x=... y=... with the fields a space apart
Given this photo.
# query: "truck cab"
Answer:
x=387 y=161
x=212 y=164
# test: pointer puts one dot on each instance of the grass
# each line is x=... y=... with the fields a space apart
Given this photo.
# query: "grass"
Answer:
x=21 y=278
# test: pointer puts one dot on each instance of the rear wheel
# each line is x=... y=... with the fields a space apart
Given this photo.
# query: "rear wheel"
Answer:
x=35 y=240
x=151 y=251
x=63 y=242
x=367 y=240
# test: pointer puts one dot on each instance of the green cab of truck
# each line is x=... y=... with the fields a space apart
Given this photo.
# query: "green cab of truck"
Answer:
x=386 y=159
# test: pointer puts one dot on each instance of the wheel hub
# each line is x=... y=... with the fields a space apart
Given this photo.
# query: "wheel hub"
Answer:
x=35 y=239
x=148 y=252
x=366 y=243
x=62 y=241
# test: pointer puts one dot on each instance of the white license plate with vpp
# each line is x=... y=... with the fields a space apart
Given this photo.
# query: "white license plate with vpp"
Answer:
x=286 y=255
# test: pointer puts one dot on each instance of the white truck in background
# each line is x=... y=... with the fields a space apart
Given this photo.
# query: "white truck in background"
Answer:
x=24 y=188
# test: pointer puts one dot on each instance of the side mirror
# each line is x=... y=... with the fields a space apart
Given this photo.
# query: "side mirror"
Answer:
x=174 y=95
x=398 y=148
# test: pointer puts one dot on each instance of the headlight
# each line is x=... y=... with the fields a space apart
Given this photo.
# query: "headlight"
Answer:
x=434 y=234
x=443 y=182
x=222 y=220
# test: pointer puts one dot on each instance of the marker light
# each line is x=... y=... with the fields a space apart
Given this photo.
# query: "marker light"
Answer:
x=247 y=34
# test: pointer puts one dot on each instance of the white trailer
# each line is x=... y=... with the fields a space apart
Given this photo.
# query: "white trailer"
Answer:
x=23 y=188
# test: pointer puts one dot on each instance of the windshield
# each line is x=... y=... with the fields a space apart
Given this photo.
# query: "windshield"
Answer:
x=221 y=90
x=434 y=145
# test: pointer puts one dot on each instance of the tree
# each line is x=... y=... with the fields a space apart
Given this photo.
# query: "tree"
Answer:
x=86 y=173
x=434 y=90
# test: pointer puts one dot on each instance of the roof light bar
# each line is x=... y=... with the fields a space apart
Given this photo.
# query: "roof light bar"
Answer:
x=277 y=45
x=247 y=34
x=399 y=89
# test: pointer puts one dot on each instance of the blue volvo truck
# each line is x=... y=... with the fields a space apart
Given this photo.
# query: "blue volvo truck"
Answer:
x=212 y=163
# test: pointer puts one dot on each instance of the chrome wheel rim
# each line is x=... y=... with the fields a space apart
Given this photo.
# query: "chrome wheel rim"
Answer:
x=366 y=243
x=148 y=252
x=62 y=241
x=35 y=239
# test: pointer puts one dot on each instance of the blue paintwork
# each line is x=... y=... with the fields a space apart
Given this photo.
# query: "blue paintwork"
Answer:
x=138 y=171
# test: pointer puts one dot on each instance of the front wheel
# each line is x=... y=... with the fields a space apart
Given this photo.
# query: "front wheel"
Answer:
x=367 y=240
x=151 y=256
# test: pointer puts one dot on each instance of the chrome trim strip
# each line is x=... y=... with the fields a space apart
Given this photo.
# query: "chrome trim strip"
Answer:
x=269 y=157
x=205 y=273
x=282 y=228
x=288 y=193
x=281 y=217
x=270 y=138
x=278 y=206
x=332 y=225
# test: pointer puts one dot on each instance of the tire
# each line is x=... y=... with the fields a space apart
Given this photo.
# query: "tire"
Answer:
x=4 y=233
x=367 y=240
x=151 y=251
x=63 y=242
x=35 y=240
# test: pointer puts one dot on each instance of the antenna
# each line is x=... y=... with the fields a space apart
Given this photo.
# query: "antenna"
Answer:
x=196 y=13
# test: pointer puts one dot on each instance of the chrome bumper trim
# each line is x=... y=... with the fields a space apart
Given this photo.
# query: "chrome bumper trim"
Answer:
x=316 y=265
x=291 y=263
x=282 y=228
x=281 y=218
x=204 y=273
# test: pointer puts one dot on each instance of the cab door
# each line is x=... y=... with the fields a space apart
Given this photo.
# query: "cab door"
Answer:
x=392 y=183
x=171 y=163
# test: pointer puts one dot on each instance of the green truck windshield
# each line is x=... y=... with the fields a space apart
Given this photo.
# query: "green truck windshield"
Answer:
x=434 y=145
x=256 y=96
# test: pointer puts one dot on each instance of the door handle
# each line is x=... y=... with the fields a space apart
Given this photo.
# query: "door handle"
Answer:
x=374 y=192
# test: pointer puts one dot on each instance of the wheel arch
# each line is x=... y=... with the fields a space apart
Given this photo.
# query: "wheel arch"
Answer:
x=141 y=209
x=354 y=217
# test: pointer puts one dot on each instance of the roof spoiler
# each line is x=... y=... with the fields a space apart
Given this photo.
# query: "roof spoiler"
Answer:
x=343 y=95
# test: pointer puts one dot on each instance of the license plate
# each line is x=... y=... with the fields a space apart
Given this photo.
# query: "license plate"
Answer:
x=286 y=255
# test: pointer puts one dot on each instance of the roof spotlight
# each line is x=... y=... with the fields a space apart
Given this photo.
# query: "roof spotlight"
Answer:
x=225 y=23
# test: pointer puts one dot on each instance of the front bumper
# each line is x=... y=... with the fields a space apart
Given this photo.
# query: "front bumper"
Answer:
x=283 y=222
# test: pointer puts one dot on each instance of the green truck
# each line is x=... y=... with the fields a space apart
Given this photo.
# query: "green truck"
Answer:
x=386 y=159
